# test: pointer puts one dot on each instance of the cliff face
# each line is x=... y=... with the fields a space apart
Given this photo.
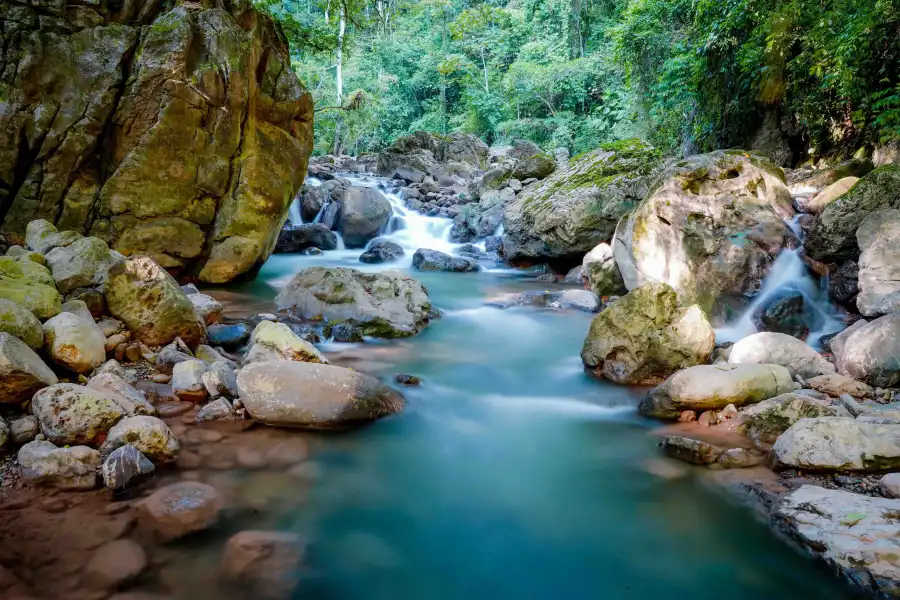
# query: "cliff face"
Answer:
x=168 y=128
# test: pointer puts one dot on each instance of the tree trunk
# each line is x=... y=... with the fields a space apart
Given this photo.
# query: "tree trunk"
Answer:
x=339 y=79
x=487 y=86
x=576 y=45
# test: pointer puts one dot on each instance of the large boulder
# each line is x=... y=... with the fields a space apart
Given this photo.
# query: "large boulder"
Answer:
x=75 y=468
x=878 y=237
x=22 y=372
x=20 y=322
x=387 y=304
x=294 y=238
x=537 y=166
x=833 y=234
x=713 y=387
x=74 y=343
x=42 y=236
x=141 y=294
x=82 y=263
x=365 y=211
x=381 y=251
x=765 y=421
x=870 y=352
x=780 y=349
x=30 y=285
x=165 y=129
x=74 y=414
x=711 y=227
x=276 y=341
x=567 y=214
x=315 y=396
x=838 y=444
x=644 y=337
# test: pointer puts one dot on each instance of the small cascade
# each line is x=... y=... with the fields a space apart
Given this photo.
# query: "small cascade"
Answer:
x=294 y=215
x=412 y=230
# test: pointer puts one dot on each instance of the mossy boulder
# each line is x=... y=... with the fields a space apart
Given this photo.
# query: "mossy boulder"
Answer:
x=711 y=227
x=20 y=322
x=83 y=263
x=645 y=336
x=538 y=166
x=30 y=285
x=765 y=421
x=577 y=207
x=72 y=414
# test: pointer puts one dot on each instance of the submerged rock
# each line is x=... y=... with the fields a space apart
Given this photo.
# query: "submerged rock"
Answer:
x=779 y=349
x=75 y=468
x=180 y=509
x=838 y=444
x=22 y=372
x=267 y=561
x=114 y=564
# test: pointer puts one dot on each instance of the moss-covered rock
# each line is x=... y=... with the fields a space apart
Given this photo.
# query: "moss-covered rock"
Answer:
x=146 y=433
x=30 y=285
x=20 y=322
x=276 y=341
x=765 y=421
x=538 y=166
x=83 y=263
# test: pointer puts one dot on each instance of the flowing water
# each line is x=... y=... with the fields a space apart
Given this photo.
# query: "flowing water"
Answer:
x=512 y=473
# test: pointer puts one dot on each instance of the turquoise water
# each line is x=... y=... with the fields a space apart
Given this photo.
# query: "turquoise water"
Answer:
x=512 y=474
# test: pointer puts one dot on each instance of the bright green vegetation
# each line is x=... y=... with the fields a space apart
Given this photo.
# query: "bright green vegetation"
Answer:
x=690 y=75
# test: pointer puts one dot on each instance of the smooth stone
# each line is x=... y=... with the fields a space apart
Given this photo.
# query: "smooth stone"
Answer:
x=216 y=410
x=689 y=450
x=74 y=343
x=132 y=400
x=180 y=509
x=766 y=420
x=221 y=380
x=870 y=352
x=769 y=348
x=276 y=341
x=835 y=385
x=838 y=444
x=433 y=260
x=71 y=414
x=150 y=435
x=229 y=336
x=23 y=429
x=114 y=564
x=124 y=466
x=21 y=323
x=70 y=468
x=267 y=561
x=187 y=380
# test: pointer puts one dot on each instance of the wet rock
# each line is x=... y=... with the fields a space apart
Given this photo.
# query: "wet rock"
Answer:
x=180 y=509
x=276 y=341
x=266 y=561
x=187 y=380
x=738 y=458
x=148 y=434
x=114 y=564
x=208 y=308
x=381 y=251
x=30 y=285
x=365 y=212
x=601 y=272
x=785 y=313
x=575 y=276
x=835 y=385
x=780 y=349
x=838 y=444
x=72 y=414
x=20 y=322
x=216 y=410
x=878 y=237
x=124 y=467
x=583 y=300
x=229 y=336
x=221 y=380
x=432 y=260
x=408 y=380
x=712 y=387
x=689 y=450
x=870 y=352
x=70 y=468
x=766 y=420
x=22 y=372
x=296 y=238
x=843 y=284
x=344 y=333
x=315 y=396
x=132 y=400
x=83 y=263
x=23 y=429
x=644 y=337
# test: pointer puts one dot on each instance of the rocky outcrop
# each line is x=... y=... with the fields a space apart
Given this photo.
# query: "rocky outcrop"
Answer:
x=176 y=130
x=711 y=227
x=644 y=337
x=365 y=212
x=833 y=234
x=387 y=304
x=422 y=150
x=870 y=352
x=838 y=444
x=780 y=349
x=878 y=237
x=567 y=214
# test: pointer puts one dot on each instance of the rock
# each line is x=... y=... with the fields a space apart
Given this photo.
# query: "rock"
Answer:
x=314 y=396
x=780 y=349
x=170 y=356
x=148 y=434
x=870 y=352
x=42 y=236
x=343 y=333
x=408 y=380
x=889 y=485
x=294 y=238
x=575 y=276
x=644 y=337
x=42 y=463
x=712 y=387
x=381 y=251
x=30 y=285
x=187 y=381
x=221 y=380
x=601 y=272
x=114 y=368
x=707 y=419
x=312 y=200
x=577 y=207
x=830 y=194
x=878 y=237
x=22 y=372
x=767 y=420
x=83 y=263
x=276 y=341
x=180 y=509
x=432 y=260
x=79 y=308
x=835 y=385
x=150 y=302
x=422 y=151
x=113 y=386
x=583 y=300
x=124 y=467
x=208 y=308
x=92 y=298
x=267 y=561
x=73 y=414
x=711 y=227
x=833 y=235
x=838 y=444
x=74 y=343
x=687 y=416
x=843 y=284
x=409 y=174
x=387 y=304
x=784 y=313
x=365 y=212
x=110 y=327
x=738 y=458
x=689 y=450
x=216 y=410
x=114 y=564
x=23 y=429
x=539 y=166
x=21 y=323
x=229 y=336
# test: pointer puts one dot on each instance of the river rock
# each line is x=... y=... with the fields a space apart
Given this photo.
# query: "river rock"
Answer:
x=878 y=237
x=74 y=343
x=208 y=308
x=835 y=385
x=124 y=467
x=80 y=309
x=577 y=207
x=114 y=564
x=843 y=284
x=114 y=386
x=23 y=429
x=833 y=235
x=538 y=166
x=216 y=410
x=82 y=263
x=294 y=238
x=22 y=372
x=150 y=302
x=870 y=352
x=42 y=236
x=269 y=562
x=148 y=434
x=73 y=414
x=69 y=468
x=276 y=341
x=600 y=270
x=711 y=227
x=21 y=323
x=387 y=304
x=180 y=509
x=690 y=450
x=785 y=312
x=229 y=336
x=889 y=485
x=187 y=380
x=365 y=212
x=644 y=337
x=423 y=150
x=170 y=356
x=768 y=348
x=713 y=387
x=831 y=193
x=30 y=285
x=312 y=199
x=221 y=380
x=583 y=300
x=838 y=444
x=432 y=260
x=313 y=395
x=766 y=420
x=381 y=251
